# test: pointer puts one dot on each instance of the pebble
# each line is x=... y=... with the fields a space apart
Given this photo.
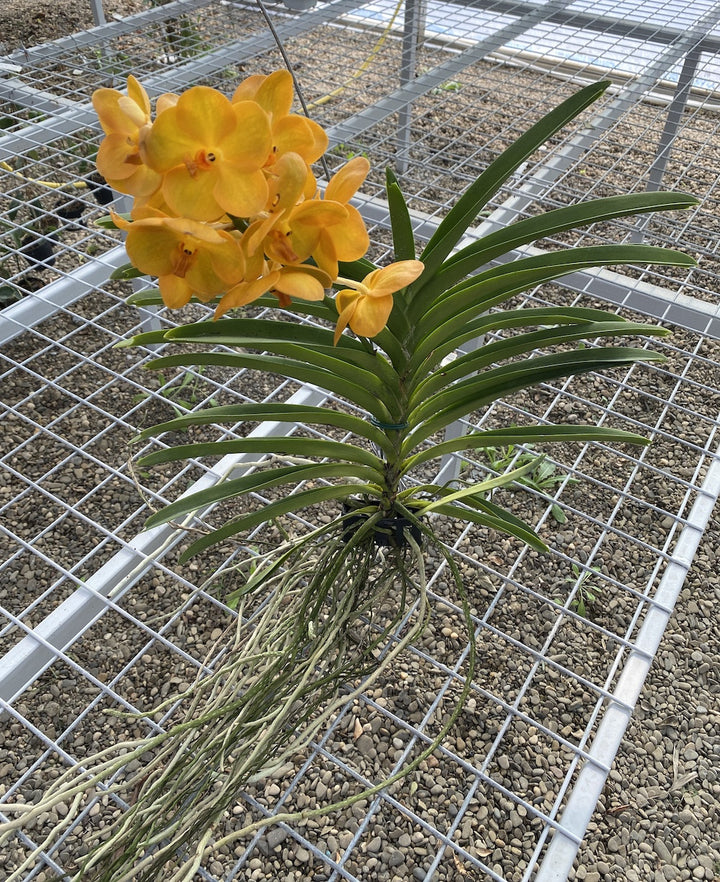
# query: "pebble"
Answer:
x=275 y=837
x=676 y=725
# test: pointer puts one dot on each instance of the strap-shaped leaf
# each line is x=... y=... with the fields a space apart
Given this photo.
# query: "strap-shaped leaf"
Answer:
x=285 y=367
x=550 y=223
x=146 y=338
x=512 y=318
x=125 y=272
x=466 y=209
x=487 y=289
x=459 y=400
x=402 y=231
x=272 y=412
x=511 y=347
x=356 y=269
x=293 y=503
x=146 y=297
x=500 y=522
x=475 y=490
x=256 y=482
x=522 y=435
x=280 y=337
x=292 y=446
x=227 y=331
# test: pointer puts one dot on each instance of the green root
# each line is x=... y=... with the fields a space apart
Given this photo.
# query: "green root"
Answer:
x=334 y=615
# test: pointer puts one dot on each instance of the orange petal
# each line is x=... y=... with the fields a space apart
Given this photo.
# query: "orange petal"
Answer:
x=117 y=158
x=138 y=94
x=166 y=146
x=141 y=184
x=325 y=256
x=350 y=238
x=150 y=244
x=112 y=119
x=227 y=260
x=392 y=278
x=301 y=135
x=136 y=115
x=245 y=292
x=175 y=292
x=250 y=143
x=345 y=301
x=248 y=89
x=205 y=116
x=240 y=193
x=190 y=196
x=318 y=213
x=275 y=94
x=370 y=315
x=297 y=283
x=287 y=179
x=343 y=185
x=167 y=99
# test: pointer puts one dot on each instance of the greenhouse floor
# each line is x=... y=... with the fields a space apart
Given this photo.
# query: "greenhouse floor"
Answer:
x=486 y=807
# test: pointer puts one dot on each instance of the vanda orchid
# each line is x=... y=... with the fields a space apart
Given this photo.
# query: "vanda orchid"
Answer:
x=228 y=212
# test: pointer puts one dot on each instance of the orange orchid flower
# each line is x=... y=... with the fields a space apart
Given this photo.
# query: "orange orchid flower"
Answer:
x=188 y=257
x=366 y=306
x=330 y=229
x=304 y=282
x=211 y=154
x=125 y=119
x=291 y=133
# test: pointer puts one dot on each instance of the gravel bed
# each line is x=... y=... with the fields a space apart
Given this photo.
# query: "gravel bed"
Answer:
x=659 y=816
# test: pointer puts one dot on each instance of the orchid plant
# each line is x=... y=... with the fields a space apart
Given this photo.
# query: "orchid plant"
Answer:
x=228 y=211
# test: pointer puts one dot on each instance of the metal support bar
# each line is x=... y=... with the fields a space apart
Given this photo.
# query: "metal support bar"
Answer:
x=411 y=28
x=171 y=79
x=670 y=130
x=569 y=15
x=27 y=660
x=98 y=13
x=354 y=126
x=590 y=782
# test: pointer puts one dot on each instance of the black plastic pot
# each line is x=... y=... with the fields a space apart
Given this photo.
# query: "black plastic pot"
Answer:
x=390 y=532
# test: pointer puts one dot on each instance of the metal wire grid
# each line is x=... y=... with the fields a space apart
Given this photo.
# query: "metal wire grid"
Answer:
x=519 y=587
x=35 y=362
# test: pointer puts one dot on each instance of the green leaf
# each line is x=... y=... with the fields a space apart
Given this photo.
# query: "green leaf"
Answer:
x=146 y=338
x=466 y=209
x=511 y=318
x=558 y=514
x=355 y=269
x=292 y=446
x=126 y=271
x=146 y=297
x=403 y=238
x=510 y=347
x=256 y=482
x=349 y=358
x=480 y=487
x=284 y=367
x=468 y=299
x=293 y=503
x=523 y=435
x=477 y=392
x=107 y=223
x=501 y=522
x=272 y=412
x=523 y=232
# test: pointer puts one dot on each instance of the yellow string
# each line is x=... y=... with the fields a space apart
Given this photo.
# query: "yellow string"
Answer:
x=53 y=185
x=365 y=65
